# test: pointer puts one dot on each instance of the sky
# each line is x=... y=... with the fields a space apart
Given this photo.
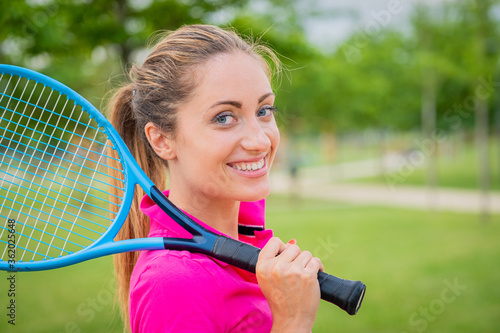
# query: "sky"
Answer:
x=327 y=23
x=340 y=18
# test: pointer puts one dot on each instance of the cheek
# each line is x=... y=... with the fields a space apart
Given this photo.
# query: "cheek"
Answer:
x=274 y=136
x=213 y=152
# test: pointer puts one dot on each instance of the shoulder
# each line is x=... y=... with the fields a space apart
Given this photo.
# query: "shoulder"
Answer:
x=165 y=270
x=175 y=288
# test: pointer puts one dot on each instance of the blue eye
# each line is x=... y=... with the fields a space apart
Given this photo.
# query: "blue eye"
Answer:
x=266 y=111
x=224 y=118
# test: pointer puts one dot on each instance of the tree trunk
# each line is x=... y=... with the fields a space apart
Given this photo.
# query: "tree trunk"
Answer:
x=483 y=156
x=428 y=134
x=481 y=111
x=497 y=129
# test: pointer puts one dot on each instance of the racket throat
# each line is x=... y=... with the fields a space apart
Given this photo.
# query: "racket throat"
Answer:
x=199 y=243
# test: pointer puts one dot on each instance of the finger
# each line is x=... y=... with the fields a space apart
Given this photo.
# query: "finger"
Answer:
x=321 y=267
x=290 y=253
x=303 y=259
x=315 y=265
x=289 y=243
x=273 y=247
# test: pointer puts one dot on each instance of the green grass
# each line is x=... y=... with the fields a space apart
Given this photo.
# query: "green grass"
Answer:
x=404 y=257
x=407 y=259
x=78 y=298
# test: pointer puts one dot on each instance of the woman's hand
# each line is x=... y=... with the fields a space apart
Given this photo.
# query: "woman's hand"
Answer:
x=288 y=279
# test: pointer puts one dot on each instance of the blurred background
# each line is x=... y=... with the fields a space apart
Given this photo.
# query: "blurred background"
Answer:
x=389 y=166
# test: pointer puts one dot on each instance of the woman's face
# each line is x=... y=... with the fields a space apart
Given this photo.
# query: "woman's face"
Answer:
x=226 y=136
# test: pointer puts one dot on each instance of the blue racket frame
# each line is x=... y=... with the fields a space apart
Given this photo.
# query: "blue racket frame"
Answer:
x=203 y=241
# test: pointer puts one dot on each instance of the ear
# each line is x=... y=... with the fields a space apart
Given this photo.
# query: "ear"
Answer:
x=159 y=141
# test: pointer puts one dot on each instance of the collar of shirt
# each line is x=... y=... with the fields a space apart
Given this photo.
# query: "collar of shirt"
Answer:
x=251 y=219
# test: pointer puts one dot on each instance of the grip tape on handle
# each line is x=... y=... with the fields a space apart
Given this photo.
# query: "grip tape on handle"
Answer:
x=346 y=294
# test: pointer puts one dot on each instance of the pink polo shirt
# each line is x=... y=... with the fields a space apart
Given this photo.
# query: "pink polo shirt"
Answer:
x=179 y=291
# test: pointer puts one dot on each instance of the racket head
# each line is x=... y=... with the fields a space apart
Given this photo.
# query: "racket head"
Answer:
x=59 y=159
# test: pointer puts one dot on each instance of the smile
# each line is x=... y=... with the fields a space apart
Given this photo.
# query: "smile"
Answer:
x=244 y=166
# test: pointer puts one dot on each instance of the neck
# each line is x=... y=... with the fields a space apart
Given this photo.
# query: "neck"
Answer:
x=221 y=215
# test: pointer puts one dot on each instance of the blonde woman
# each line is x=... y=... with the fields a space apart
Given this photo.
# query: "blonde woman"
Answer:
x=201 y=110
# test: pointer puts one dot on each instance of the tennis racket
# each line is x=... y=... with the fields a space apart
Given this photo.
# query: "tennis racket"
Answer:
x=55 y=205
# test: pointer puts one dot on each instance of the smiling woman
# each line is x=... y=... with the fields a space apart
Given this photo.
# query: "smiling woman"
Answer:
x=226 y=127
x=202 y=106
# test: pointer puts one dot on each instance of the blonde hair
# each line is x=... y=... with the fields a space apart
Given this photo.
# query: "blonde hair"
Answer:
x=156 y=89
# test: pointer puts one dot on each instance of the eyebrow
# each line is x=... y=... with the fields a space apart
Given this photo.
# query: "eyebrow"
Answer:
x=265 y=96
x=238 y=104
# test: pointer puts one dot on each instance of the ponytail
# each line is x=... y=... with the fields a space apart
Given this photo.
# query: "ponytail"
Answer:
x=136 y=225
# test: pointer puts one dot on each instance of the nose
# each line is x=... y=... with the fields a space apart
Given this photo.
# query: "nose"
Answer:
x=255 y=137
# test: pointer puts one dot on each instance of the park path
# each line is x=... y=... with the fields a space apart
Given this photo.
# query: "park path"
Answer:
x=324 y=183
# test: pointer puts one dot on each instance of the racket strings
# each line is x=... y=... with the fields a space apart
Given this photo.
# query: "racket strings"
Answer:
x=16 y=148
x=55 y=172
x=30 y=211
x=57 y=199
x=39 y=210
x=37 y=193
x=94 y=151
x=4 y=156
x=80 y=166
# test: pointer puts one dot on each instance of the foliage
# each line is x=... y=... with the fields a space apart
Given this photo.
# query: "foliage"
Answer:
x=86 y=43
x=373 y=80
x=451 y=43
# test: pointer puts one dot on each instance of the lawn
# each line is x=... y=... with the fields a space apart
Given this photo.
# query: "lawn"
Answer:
x=424 y=272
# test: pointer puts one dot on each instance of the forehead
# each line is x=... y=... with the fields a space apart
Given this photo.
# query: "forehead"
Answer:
x=232 y=73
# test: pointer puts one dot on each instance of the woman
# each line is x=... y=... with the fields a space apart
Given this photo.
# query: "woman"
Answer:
x=202 y=106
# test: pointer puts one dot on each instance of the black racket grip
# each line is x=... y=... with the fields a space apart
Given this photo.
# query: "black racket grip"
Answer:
x=236 y=253
x=346 y=294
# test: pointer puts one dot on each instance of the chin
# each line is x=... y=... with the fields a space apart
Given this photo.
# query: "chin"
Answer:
x=255 y=194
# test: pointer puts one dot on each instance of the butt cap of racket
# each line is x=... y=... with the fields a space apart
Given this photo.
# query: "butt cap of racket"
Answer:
x=346 y=294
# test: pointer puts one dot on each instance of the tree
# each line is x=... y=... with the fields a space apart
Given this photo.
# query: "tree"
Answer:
x=80 y=43
x=456 y=47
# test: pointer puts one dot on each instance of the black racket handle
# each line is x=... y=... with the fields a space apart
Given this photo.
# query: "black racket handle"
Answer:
x=346 y=294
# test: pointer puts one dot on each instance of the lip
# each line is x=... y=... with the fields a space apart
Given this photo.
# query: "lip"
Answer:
x=251 y=174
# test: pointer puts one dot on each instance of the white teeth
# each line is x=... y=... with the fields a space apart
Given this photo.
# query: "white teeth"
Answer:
x=249 y=167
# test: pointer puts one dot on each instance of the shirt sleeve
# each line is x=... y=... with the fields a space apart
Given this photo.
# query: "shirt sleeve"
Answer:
x=175 y=293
